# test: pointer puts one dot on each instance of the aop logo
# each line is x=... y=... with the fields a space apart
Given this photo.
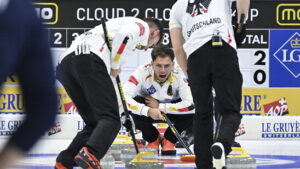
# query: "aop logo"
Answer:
x=197 y=7
x=276 y=108
x=289 y=55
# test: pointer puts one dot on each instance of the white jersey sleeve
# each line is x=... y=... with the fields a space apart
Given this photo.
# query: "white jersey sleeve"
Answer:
x=174 y=21
x=131 y=89
x=132 y=33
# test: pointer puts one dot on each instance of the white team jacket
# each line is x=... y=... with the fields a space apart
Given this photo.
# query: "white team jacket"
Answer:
x=135 y=29
x=142 y=83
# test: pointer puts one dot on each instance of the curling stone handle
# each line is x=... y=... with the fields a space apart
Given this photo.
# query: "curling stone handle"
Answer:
x=139 y=157
x=239 y=149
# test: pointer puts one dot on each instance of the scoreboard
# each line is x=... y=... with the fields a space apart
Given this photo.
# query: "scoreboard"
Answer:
x=66 y=20
x=269 y=56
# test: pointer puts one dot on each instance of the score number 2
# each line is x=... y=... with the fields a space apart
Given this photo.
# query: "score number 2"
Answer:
x=57 y=40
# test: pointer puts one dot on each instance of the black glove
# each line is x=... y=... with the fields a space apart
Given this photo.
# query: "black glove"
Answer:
x=239 y=33
x=127 y=122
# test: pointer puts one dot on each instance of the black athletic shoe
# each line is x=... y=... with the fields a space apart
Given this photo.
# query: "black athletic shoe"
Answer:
x=64 y=160
x=87 y=160
x=167 y=147
x=236 y=144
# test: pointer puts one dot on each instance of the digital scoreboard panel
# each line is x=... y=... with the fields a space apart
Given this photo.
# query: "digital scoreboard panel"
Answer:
x=269 y=57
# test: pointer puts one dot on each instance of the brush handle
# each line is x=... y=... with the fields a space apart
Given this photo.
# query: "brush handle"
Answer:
x=127 y=114
x=176 y=133
x=128 y=121
x=241 y=24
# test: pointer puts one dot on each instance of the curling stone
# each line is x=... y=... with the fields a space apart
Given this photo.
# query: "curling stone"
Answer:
x=121 y=142
x=129 y=153
x=108 y=161
x=143 y=161
x=240 y=161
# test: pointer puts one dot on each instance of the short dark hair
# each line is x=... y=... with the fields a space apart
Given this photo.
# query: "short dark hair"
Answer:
x=153 y=22
x=162 y=51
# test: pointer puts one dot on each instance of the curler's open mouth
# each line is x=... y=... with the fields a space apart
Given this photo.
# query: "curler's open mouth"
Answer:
x=162 y=76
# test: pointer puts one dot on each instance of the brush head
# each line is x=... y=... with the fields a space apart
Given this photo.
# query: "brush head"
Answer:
x=188 y=158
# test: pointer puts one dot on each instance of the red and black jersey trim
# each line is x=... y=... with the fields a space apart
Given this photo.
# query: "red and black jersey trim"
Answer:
x=190 y=108
x=133 y=80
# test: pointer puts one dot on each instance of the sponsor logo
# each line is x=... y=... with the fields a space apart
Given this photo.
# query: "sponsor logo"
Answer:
x=47 y=12
x=151 y=90
x=54 y=129
x=252 y=103
x=80 y=125
x=197 y=7
x=8 y=127
x=70 y=108
x=289 y=55
x=281 y=130
x=11 y=79
x=240 y=131
x=276 y=108
x=12 y=102
x=288 y=14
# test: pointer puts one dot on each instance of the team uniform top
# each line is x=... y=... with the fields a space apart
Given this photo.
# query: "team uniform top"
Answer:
x=199 y=20
x=137 y=31
x=143 y=83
